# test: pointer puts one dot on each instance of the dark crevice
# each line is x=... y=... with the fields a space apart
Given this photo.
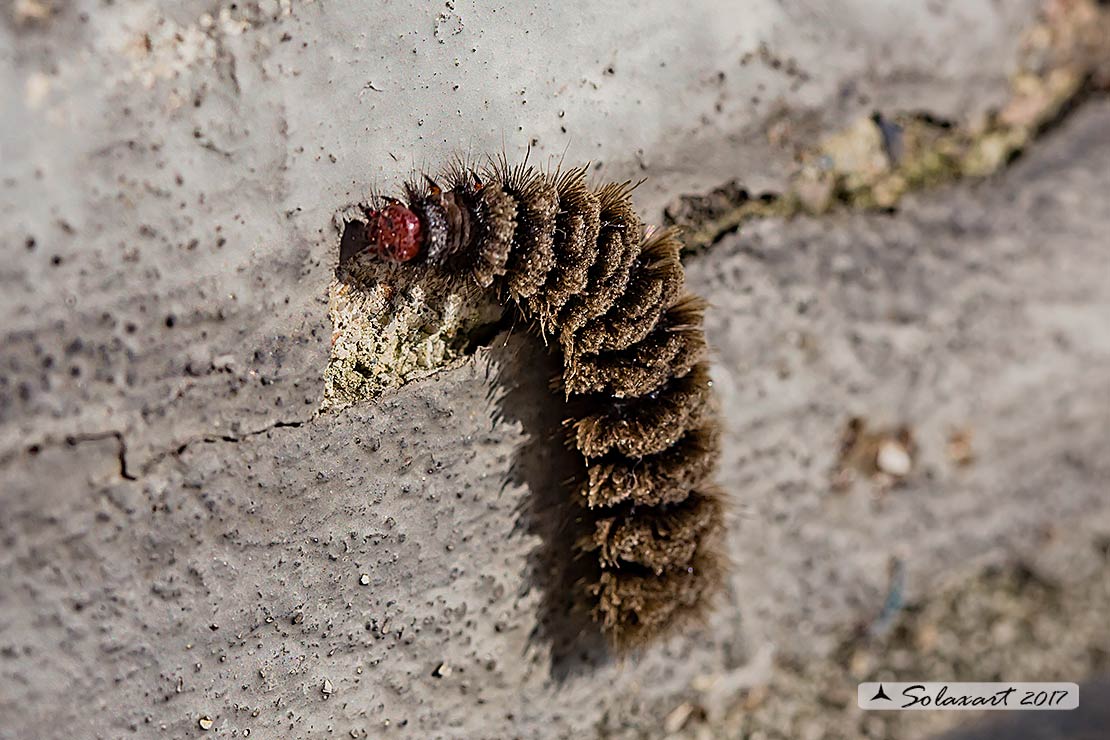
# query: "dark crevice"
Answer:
x=363 y=369
x=933 y=120
x=353 y=239
x=230 y=438
x=707 y=219
x=73 y=440
x=1087 y=91
x=483 y=334
x=892 y=136
x=125 y=471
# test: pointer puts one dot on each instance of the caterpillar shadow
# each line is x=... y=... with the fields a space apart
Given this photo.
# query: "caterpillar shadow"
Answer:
x=545 y=466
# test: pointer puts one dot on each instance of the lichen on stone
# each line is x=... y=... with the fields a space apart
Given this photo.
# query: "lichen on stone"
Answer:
x=881 y=157
x=394 y=324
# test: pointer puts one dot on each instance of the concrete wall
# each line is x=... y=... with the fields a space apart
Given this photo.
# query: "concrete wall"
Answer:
x=185 y=539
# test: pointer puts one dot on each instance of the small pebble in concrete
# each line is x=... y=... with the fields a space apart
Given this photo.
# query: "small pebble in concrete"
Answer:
x=205 y=723
x=893 y=458
x=678 y=718
x=959 y=447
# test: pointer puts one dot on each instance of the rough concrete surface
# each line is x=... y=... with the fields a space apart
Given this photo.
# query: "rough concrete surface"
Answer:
x=190 y=548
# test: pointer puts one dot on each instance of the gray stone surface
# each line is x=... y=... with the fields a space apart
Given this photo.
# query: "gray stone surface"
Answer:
x=181 y=162
x=1089 y=722
x=184 y=537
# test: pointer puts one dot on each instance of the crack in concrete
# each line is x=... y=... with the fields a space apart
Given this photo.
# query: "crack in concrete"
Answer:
x=125 y=471
x=183 y=447
x=707 y=219
x=873 y=164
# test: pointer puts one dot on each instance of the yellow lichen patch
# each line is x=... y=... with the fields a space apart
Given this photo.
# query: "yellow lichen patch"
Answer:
x=857 y=156
x=1059 y=55
x=393 y=325
x=881 y=157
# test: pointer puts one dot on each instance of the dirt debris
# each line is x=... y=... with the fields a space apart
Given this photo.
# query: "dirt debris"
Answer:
x=880 y=158
x=1000 y=623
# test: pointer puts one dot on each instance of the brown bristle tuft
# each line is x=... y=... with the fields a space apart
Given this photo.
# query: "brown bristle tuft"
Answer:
x=645 y=426
x=663 y=478
x=496 y=220
x=660 y=539
x=577 y=223
x=636 y=606
x=656 y=284
x=674 y=346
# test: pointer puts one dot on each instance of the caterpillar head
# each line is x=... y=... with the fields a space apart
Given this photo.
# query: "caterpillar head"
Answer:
x=394 y=232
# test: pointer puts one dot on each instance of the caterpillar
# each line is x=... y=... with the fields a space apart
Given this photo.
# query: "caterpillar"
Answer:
x=578 y=265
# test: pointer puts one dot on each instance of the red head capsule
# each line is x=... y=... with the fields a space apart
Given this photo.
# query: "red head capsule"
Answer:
x=395 y=233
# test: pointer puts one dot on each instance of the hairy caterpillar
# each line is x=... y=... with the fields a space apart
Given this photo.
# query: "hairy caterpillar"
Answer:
x=578 y=264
